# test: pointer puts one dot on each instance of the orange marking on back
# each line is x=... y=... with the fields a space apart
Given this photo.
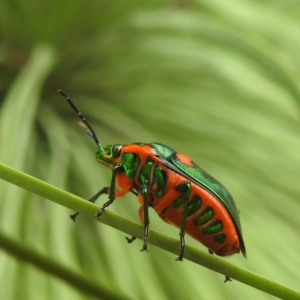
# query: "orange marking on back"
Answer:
x=185 y=159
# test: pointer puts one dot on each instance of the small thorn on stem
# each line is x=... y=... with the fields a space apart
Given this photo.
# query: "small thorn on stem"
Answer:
x=73 y=216
x=227 y=279
x=130 y=239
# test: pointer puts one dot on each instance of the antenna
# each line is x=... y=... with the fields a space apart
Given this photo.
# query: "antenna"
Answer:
x=91 y=132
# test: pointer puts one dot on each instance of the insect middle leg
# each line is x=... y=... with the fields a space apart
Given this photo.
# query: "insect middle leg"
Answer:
x=146 y=221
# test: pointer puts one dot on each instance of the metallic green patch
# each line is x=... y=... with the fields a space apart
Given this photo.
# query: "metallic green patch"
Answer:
x=162 y=150
x=105 y=154
x=130 y=163
x=213 y=227
x=204 y=216
x=220 y=238
x=194 y=204
x=160 y=177
x=182 y=188
x=145 y=172
x=179 y=201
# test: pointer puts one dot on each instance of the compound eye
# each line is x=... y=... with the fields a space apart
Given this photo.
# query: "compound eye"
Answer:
x=116 y=150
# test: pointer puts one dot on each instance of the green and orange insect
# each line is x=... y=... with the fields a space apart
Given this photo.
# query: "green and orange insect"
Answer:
x=182 y=193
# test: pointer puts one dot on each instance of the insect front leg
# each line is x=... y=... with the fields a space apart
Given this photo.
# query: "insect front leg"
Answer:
x=112 y=193
x=104 y=190
x=186 y=188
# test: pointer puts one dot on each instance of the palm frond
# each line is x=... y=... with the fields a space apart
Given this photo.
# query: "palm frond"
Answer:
x=216 y=80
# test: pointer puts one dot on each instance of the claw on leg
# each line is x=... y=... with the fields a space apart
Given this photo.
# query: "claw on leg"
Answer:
x=144 y=249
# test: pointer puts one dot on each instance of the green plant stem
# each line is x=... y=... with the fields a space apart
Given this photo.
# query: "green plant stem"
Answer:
x=212 y=262
x=57 y=269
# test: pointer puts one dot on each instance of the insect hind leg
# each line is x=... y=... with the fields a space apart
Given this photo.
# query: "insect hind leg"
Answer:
x=185 y=188
x=227 y=278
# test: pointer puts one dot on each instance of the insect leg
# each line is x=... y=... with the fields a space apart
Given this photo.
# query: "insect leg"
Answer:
x=144 y=192
x=93 y=199
x=104 y=190
x=112 y=195
x=132 y=238
x=226 y=277
x=185 y=188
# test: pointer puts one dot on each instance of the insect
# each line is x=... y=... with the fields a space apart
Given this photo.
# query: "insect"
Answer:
x=180 y=192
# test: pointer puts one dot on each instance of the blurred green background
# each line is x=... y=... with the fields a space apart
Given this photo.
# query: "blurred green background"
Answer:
x=216 y=80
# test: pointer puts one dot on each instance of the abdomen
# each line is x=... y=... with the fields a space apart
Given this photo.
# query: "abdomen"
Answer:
x=208 y=220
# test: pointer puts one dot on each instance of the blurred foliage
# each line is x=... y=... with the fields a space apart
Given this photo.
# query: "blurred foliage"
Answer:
x=216 y=80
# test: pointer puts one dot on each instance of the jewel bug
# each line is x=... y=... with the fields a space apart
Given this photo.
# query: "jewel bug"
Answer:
x=181 y=193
